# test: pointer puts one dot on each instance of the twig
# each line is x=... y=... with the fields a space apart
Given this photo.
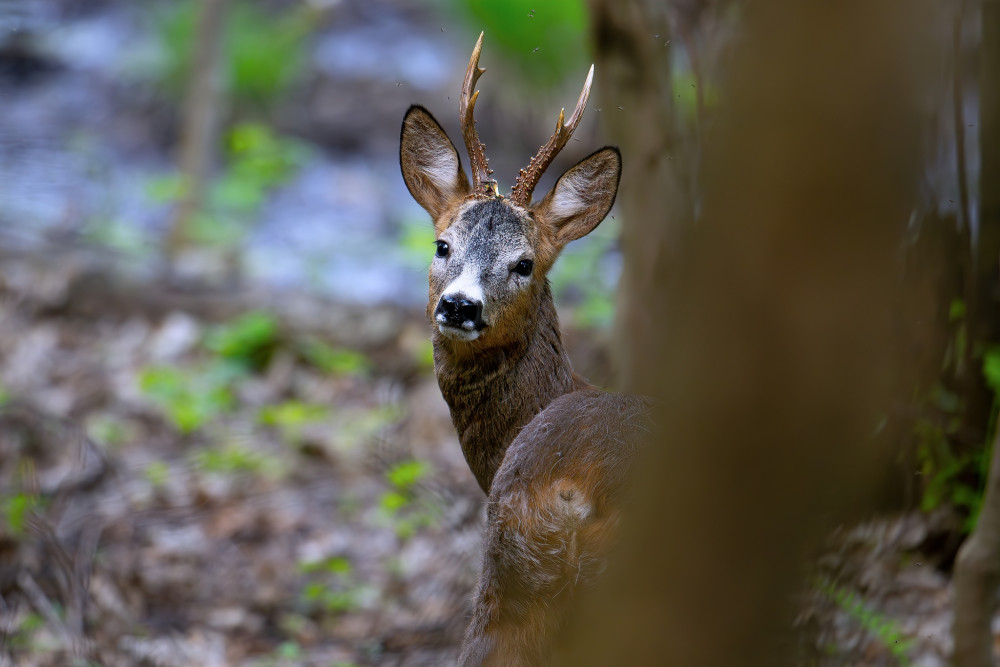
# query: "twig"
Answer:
x=6 y=626
x=44 y=607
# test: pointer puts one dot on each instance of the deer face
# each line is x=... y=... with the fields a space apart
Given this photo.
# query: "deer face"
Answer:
x=492 y=253
x=483 y=273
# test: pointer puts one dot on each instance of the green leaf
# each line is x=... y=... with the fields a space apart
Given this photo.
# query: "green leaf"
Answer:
x=157 y=473
x=991 y=369
x=289 y=651
x=424 y=354
x=338 y=565
x=336 y=361
x=956 y=310
x=404 y=475
x=292 y=414
x=165 y=189
x=393 y=501
x=189 y=397
x=313 y=591
x=544 y=41
x=231 y=459
x=245 y=338
x=338 y=601
x=16 y=509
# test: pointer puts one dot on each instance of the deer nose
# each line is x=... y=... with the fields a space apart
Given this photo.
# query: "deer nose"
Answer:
x=458 y=311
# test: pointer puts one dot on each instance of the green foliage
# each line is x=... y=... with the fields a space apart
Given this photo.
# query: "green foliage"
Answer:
x=332 y=586
x=991 y=369
x=956 y=310
x=265 y=51
x=945 y=473
x=257 y=161
x=4 y=395
x=292 y=414
x=424 y=354
x=289 y=417
x=120 y=235
x=581 y=283
x=109 y=430
x=400 y=505
x=884 y=629
x=359 y=426
x=262 y=52
x=190 y=397
x=335 y=361
x=248 y=340
x=336 y=565
x=157 y=474
x=405 y=475
x=19 y=636
x=958 y=479
x=686 y=95
x=546 y=41
x=416 y=242
x=991 y=373
x=288 y=651
x=233 y=459
x=15 y=509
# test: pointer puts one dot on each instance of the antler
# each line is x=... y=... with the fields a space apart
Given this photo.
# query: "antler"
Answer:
x=482 y=184
x=527 y=179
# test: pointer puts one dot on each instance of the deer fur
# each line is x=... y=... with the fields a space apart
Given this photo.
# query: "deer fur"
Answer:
x=551 y=451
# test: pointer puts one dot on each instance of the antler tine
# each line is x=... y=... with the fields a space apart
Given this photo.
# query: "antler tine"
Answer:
x=480 y=165
x=528 y=178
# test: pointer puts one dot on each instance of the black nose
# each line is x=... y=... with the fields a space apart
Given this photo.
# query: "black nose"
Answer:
x=457 y=310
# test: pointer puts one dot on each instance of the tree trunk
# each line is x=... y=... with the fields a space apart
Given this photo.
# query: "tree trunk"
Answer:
x=774 y=360
x=199 y=129
x=977 y=568
x=977 y=576
x=632 y=64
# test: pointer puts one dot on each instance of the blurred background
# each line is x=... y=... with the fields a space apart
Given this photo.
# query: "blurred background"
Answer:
x=221 y=441
x=219 y=403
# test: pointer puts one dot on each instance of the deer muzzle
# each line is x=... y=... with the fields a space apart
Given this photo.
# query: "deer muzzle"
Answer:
x=459 y=317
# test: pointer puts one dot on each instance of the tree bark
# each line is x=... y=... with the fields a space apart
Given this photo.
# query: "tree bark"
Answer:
x=200 y=124
x=632 y=64
x=770 y=344
x=977 y=576
x=977 y=568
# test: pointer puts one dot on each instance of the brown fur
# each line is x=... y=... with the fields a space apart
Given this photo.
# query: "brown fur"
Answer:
x=551 y=519
x=551 y=451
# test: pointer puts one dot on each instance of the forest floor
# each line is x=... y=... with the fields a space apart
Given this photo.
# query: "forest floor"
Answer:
x=246 y=479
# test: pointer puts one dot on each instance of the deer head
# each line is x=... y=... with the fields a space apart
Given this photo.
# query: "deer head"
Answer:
x=493 y=251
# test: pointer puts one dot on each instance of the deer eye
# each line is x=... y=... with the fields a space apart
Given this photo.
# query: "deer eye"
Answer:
x=442 y=249
x=524 y=267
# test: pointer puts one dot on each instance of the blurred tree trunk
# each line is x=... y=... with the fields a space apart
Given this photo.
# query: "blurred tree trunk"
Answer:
x=200 y=125
x=977 y=575
x=634 y=85
x=770 y=343
x=977 y=568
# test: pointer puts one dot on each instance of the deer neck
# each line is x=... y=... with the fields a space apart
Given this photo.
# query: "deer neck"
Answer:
x=494 y=392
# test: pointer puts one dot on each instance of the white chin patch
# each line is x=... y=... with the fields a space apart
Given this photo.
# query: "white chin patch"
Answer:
x=457 y=333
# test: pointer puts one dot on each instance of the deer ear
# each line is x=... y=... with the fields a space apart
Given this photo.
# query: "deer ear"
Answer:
x=430 y=164
x=582 y=196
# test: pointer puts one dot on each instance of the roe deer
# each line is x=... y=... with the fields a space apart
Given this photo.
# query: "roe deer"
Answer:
x=551 y=451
